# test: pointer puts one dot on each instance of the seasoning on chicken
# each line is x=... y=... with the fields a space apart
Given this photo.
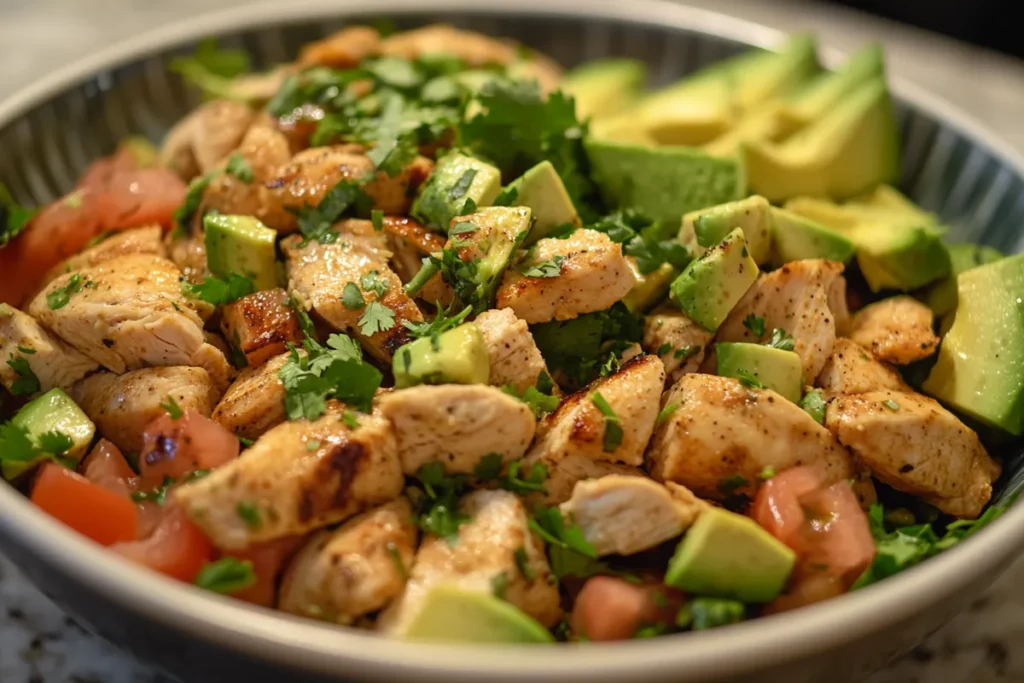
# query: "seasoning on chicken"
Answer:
x=260 y=325
x=24 y=342
x=457 y=425
x=356 y=569
x=853 y=370
x=678 y=341
x=515 y=358
x=147 y=240
x=204 y=138
x=914 y=445
x=566 y=471
x=896 y=330
x=254 y=402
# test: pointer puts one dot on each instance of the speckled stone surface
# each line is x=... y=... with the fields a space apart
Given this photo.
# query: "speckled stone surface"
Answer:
x=39 y=644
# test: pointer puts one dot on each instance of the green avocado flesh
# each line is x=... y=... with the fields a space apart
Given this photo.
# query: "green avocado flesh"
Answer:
x=53 y=411
x=458 y=356
x=241 y=245
x=775 y=369
x=453 y=615
x=712 y=284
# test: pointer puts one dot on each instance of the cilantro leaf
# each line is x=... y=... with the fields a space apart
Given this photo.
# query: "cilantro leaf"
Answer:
x=352 y=298
x=377 y=220
x=17 y=446
x=749 y=380
x=396 y=146
x=13 y=217
x=226 y=575
x=373 y=282
x=533 y=482
x=539 y=402
x=755 y=324
x=544 y=269
x=441 y=323
x=157 y=495
x=184 y=214
x=612 y=425
x=171 y=407
x=813 y=404
x=239 y=167
x=461 y=186
x=437 y=502
x=211 y=68
x=59 y=298
x=217 y=291
x=655 y=245
x=506 y=197
x=376 y=318
x=569 y=552
x=489 y=467
x=781 y=340
x=703 y=613
x=54 y=442
x=315 y=221
x=666 y=412
x=319 y=373
x=27 y=382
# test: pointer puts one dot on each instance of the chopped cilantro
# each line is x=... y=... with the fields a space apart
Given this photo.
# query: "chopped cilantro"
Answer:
x=373 y=282
x=428 y=270
x=463 y=228
x=245 y=442
x=506 y=197
x=226 y=575
x=569 y=552
x=732 y=483
x=781 y=340
x=891 y=405
x=767 y=473
x=193 y=199
x=27 y=382
x=612 y=425
x=157 y=495
x=539 y=402
x=523 y=564
x=13 y=217
x=350 y=419
x=377 y=219
x=315 y=221
x=250 y=514
x=217 y=291
x=337 y=370
x=59 y=298
x=461 y=186
x=396 y=144
x=312 y=446
x=352 y=298
x=17 y=446
x=755 y=324
x=684 y=353
x=239 y=167
x=27 y=350
x=211 y=68
x=489 y=467
x=437 y=506
x=663 y=349
x=544 y=269
x=440 y=324
x=666 y=412
x=748 y=380
x=499 y=584
x=533 y=482
x=813 y=404
x=396 y=559
x=376 y=318
x=171 y=407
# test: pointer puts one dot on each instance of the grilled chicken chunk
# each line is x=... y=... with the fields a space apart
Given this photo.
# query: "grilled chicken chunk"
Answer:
x=51 y=360
x=677 y=340
x=146 y=240
x=343 y=49
x=564 y=473
x=297 y=477
x=260 y=325
x=485 y=549
x=204 y=138
x=621 y=515
x=456 y=425
x=254 y=402
x=129 y=313
x=913 y=444
x=189 y=255
x=356 y=569
x=515 y=358
x=318 y=274
x=720 y=430
x=122 y=405
x=594 y=275
x=579 y=427
x=852 y=370
x=896 y=330
x=794 y=298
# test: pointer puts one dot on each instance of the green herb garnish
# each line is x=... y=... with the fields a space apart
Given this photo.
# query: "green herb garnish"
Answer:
x=814 y=405
x=613 y=433
x=226 y=575
x=239 y=167
x=337 y=370
x=171 y=407
x=59 y=298
x=755 y=324
x=781 y=340
x=217 y=291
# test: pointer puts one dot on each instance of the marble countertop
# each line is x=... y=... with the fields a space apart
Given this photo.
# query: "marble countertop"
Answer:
x=39 y=644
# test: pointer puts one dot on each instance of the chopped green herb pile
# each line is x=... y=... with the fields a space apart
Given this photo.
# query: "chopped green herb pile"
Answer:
x=217 y=291
x=320 y=372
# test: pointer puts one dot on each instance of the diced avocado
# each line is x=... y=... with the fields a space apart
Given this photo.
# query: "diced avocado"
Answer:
x=886 y=198
x=488 y=240
x=795 y=238
x=827 y=213
x=458 y=356
x=845 y=152
x=899 y=258
x=605 y=86
x=980 y=366
x=663 y=183
x=707 y=227
x=53 y=411
x=727 y=555
x=241 y=245
x=866 y=209
x=456 y=178
x=650 y=288
x=542 y=190
x=760 y=124
x=712 y=284
x=940 y=296
x=829 y=89
x=775 y=369
x=455 y=615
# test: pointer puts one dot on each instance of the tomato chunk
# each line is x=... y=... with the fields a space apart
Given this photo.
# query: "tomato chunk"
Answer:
x=268 y=559
x=176 y=447
x=91 y=510
x=106 y=467
x=610 y=608
x=177 y=548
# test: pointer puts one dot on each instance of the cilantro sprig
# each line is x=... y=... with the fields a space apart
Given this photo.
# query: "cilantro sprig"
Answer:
x=226 y=575
x=436 y=501
x=321 y=372
x=18 y=446
x=315 y=221
x=569 y=551
x=14 y=218
x=59 y=298
x=219 y=291
x=212 y=69
x=540 y=403
x=26 y=382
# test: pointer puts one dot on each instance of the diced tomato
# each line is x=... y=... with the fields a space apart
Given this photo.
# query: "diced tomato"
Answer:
x=177 y=548
x=609 y=608
x=91 y=510
x=268 y=559
x=135 y=198
x=106 y=467
x=777 y=504
x=174 y=448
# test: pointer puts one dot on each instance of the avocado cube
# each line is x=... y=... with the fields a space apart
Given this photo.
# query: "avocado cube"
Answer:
x=542 y=191
x=53 y=411
x=980 y=365
x=727 y=555
x=458 y=356
x=899 y=258
x=775 y=369
x=241 y=245
x=890 y=201
x=713 y=283
x=487 y=240
x=604 y=86
x=663 y=183
x=795 y=238
x=709 y=226
x=650 y=289
x=456 y=615
x=456 y=178
x=940 y=296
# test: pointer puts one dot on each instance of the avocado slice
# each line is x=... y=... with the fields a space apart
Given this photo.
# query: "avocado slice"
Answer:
x=713 y=283
x=980 y=365
x=775 y=369
x=707 y=227
x=760 y=124
x=727 y=555
x=887 y=199
x=542 y=190
x=848 y=150
x=53 y=411
x=488 y=239
x=662 y=183
x=649 y=289
x=795 y=238
x=605 y=87
x=241 y=245
x=455 y=615
x=940 y=296
x=829 y=89
x=899 y=258
x=458 y=356
x=456 y=178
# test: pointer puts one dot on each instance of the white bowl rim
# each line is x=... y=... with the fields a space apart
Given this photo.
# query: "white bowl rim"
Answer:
x=328 y=650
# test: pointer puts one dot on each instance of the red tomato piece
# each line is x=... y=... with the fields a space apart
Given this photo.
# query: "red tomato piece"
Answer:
x=174 y=448
x=141 y=197
x=777 y=504
x=609 y=608
x=177 y=548
x=91 y=510
x=107 y=468
x=268 y=559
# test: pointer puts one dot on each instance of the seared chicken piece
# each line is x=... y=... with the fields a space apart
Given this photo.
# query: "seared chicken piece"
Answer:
x=204 y=138
x=793 y=298
x=484 y=552
x=896 y=330
x=122 y=405
x=255 y=401
x=297 y=477
x=343 y=49
x=318 y=274
x=622 y=515
x=565 y=472
x=129 y=313
x=147 y=240
x=852 y=370
x=51 y=360
x=678 y=341
x=356 y=569
x=456 y=425
x=837 y=303
x=594 y=275
x=515 y=358
x=188 y=253
x=914 y=445
x=717 y=430
x=579 y=427
x=260 y=325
